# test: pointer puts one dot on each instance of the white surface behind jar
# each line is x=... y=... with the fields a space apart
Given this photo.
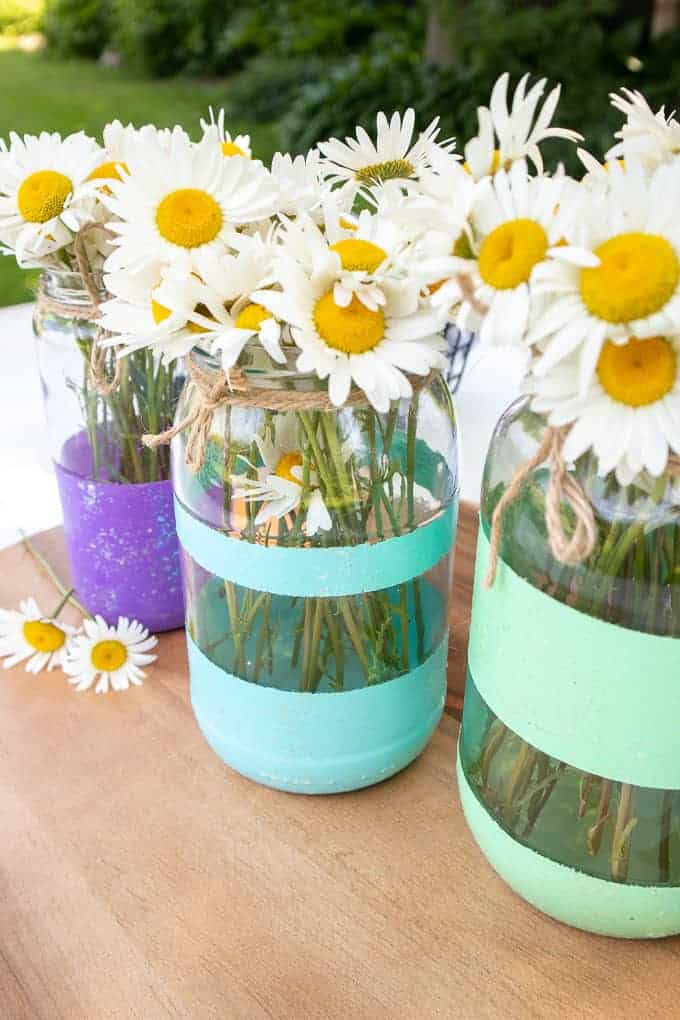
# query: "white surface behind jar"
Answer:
x=28 y=491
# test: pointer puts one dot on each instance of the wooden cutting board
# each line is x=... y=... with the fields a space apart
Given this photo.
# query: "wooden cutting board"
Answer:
x=142 y=878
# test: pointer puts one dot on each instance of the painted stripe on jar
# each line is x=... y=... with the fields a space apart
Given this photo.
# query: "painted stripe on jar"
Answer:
x=315 y=572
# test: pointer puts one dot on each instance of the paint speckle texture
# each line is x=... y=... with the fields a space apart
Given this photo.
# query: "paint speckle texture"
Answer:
x=123 y=549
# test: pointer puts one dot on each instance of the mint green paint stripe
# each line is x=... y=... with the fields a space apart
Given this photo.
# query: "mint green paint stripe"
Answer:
x=594 y=904
x=318 y=572
x=600 y=697
x=318 y=742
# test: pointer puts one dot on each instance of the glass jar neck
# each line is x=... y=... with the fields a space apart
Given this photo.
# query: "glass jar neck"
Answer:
x=263 y=372
x=69 y=288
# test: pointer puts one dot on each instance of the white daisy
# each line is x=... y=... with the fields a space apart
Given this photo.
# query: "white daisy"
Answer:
x=28 y=635
x=279 y=484
x=360 y=161
x=42 y=180
x=111 y=656
x=515 y=227
x=508 y=134
x=353 y=343
x=629 y=415
x=620 y=276
x=173 y=206
x=215 y=131
x=300 y=183
x=652 y=137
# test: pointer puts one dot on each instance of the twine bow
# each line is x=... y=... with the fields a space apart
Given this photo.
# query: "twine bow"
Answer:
x=570 y=549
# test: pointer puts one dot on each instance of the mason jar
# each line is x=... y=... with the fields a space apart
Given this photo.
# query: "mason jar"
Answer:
x=317 y=549
x=115 y=494
x=568 y=765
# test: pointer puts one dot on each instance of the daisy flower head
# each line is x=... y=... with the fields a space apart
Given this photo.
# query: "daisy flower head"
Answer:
x=515 y=223
x=508 y=133
x=280 y=484
x=174 y=205
x=394 y=154
x=42 y=180
x=216 y=132
x=629 y=414
x=300 y=183
x=109 y=657
x=620 y=275
x=351 y=342
x=28 y=636
x=653 y=138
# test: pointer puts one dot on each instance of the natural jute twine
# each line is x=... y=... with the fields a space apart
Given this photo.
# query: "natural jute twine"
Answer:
x=562 y=486
x=88 y=313
x=235 y=389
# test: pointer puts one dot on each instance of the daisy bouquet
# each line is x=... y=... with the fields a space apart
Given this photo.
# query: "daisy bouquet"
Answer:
x=581 y=495
x=313 y=347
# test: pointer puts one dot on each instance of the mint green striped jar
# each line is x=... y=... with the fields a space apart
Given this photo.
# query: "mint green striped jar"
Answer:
x=569 y=755
x=317 y=549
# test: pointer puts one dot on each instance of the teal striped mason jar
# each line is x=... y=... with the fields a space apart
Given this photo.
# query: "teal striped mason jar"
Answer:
x=317 y=551
x=568 y=766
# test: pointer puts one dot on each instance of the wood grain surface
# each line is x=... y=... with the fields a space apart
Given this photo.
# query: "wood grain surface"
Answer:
x=142 y=878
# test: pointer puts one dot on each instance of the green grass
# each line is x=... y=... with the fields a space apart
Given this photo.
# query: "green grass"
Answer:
x=43 y=94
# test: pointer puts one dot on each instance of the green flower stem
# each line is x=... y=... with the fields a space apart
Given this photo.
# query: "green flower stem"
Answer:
x=355 y=635
x=52 y=574
x=336 y=642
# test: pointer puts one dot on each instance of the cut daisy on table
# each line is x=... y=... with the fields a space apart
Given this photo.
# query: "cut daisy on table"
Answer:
x=109 y=657
x=360 y=161
x=347 y=343
x=619 y=276
x=28 y=636
x=284 y=484
x=507 y=134
x=629 y=414
x=173 y=206
x=42 y=180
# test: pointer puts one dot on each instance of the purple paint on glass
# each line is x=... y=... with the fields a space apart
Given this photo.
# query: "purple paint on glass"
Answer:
x=122 y=545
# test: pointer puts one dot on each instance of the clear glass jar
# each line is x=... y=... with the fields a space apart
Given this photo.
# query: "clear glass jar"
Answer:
x=99 y=436
x=349 y=609
x=115 y=493
x=605 y=703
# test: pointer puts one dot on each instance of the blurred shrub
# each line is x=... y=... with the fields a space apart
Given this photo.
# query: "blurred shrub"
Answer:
x=19 y=17
x=77 y=28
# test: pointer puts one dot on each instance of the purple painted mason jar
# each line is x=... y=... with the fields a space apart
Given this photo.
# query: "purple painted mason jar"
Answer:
x=115 y=494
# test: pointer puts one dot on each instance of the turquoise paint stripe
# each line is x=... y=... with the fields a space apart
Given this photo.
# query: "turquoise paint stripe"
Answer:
x=318 y=742
x=314 y=572
x=593 y=904
x=600 y=697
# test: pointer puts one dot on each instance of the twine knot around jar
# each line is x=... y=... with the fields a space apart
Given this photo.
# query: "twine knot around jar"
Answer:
x=234 y=388
x=562 y=486
x=104 y=385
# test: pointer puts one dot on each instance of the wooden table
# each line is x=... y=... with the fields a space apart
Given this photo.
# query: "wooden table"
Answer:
x=141 y=878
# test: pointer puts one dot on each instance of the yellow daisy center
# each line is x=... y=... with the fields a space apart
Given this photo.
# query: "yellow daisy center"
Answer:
x=510 y=252
x=161 y=313
x=252 y=317
x=637 y=275
x=638 y=372
x=44 y=637
x=354 y=329
x=286 y=464
x=358 y=254
x=347 y=224
x=387 y=171
x=189 y=218
x=109 y=656
x=42 y=195
x=232 y=149
x=108 y=171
